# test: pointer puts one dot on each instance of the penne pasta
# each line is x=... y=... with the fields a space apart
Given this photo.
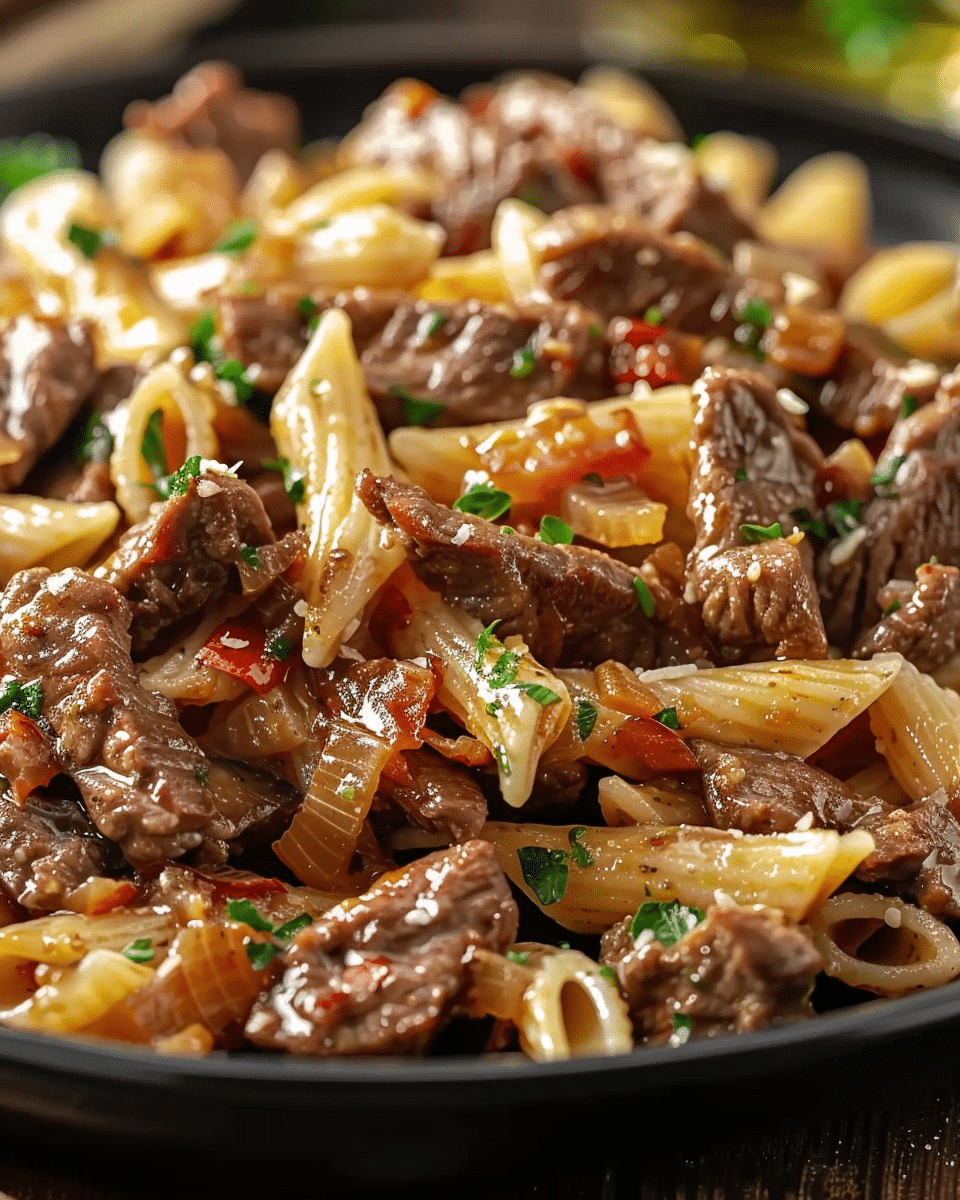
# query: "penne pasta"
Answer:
x=631 y=102
x=472 y=277
x=377 y=247
x=823 y=203
x=349 y=190
x=794 y=872
x=917 y=726
x=666 y=802
x=519 y=263
x=883 y=944
x=37 y=532
x=743 y=167
x=324 y=423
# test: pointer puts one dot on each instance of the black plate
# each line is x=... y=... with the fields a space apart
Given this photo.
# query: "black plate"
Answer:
x=410 y=1120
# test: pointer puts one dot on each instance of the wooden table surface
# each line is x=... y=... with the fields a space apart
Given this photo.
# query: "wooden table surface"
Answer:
x=911 y=1153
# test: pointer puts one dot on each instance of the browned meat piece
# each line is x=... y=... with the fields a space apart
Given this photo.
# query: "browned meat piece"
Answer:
x=252 y=807
x=139 y=774
x=925 y=627
x=209 y=106
x=48 y=848
x=913 y=518
x=679 y=624
x=739 y=969
x=92 y=485
x=757 y=791
x=47 y=371
x=918 y=853
x=660 y=183
x=463 y=364
x=382 y=975
x=752 y=467
x=617 y=265
x=572 y=606
x=441 y=796
x=867 y=387
x=187 y=552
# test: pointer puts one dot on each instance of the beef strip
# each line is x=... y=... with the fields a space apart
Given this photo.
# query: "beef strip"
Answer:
x=252 y=808
x=48 y=848
x=382 y=975
x=463 y=364
x=139 y=774
x=866 y=388
x=187 y=551
x=209 y=106
x=572 y=606
x=441 y=796
x=908 y=521
x=759 y=791
x=679 y=625
x=740 y=969
x=925 y=627
x=47 y=371
x=752 y=466
x=918 y=853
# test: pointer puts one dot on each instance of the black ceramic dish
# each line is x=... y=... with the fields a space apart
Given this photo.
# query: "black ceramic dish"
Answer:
x=414 y=1120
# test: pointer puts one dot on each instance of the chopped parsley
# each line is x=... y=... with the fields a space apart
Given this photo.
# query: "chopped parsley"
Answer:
x=610 y=975
x=279 y=649
x=437 y=322
x=415 y=410
x=808 y=523
x=96 y=442
x=140 y=951
x=506 y=530
x=261 y=954
x=644 y=599
x=178 y=483
x=483 y=500
x=524 y=362
x=485 y=641
x=580 y=854
x=87 y=241
x=348 y=792
x=668 y=922
x=24 y=159
x=201 y=334
x=682 y=1028
x=292 y=478
x=697 y=140
x=202 y=775
x=545 y=872
x=883 y=477
x=232 y=372
x=761 y=533
x=653 y=315
x=520 y=957
x=26 y=698
x=554 y=532
x=668 y=717
x=153 y=451
x=492 y=707
x=202 y=341
x=908 y=406
x=892 y=607
x=251 y=556
x=504 y=671
x=307 y=307
x=844 y=515
x=740 y=475
x=757 y=313
x=237 y=237
x=537 y=691
x=584 y=718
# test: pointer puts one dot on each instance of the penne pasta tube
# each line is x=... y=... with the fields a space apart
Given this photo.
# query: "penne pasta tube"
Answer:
x=498 y=692
x=884 y=944
x=37 y=532
x=77 y=996
x=325 y=424
x=471 y=277
x=794 y=872
x=825 y=203
x=376 y=247
x=666 y=802
x=276 y=182
x=347 y=191
x=917 y=726
x=519 y=263
x=743 y=167
x=631 y=102
x=105 y=287
x=794 y=706
x=185 y=429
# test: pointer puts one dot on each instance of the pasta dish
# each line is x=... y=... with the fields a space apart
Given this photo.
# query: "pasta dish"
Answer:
x=489 y=583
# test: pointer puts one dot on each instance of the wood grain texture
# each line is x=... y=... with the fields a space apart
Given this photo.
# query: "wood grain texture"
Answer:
x=911 y=1153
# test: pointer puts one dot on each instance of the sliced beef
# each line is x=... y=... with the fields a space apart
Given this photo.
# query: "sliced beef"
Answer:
x=910 y=519
x=925 y=625
x=382 y=975
x=188 y=551
x=92 y=485
x=252 y=808
x=680 y=634
x=572 y=606
x=441 y=796
x=484 y=362
x=209 y=106
x=47 y=371
x=758 y=791
x=740 y=969
x=48 y=848
x=867 y=387
x=752 y=467
x=918 y=853
x=139 y=774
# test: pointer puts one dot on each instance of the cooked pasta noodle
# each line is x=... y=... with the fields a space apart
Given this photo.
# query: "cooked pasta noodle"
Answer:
x=35 y=531
x=825 y=202
x=917 y=726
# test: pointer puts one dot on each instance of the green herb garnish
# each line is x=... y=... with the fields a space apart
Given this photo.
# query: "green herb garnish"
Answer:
x=757 y=313
x=520 y=957
x=884 y=476
x=504 y=672
x=580 y=854
x=584 y=718
x=554 y=532
x=524 y=362
x=668 y=922
x=644 y=599
x=140 y=951
x=668 y=717
x=536 y=691
x=292 y=479
x=483 y=500
x=96 y=442
x=261 y=954
x=24 y=159
x=237 y=237
x=87 y=241
x=808 y=523
x=153 y=451
x=844 y=515
x=279 y=649
x=610 y=975
x=740 y=475
x=892 y=607
x=545 y=872
x=347 y=792
x=485 y=642
x=251 y=556
x=307 y=307
x=682 y=1028
x=908 y=406
x=202 y=775
x=415 y=410
x=761 y=533
x=653 y=315
x=437 y=322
